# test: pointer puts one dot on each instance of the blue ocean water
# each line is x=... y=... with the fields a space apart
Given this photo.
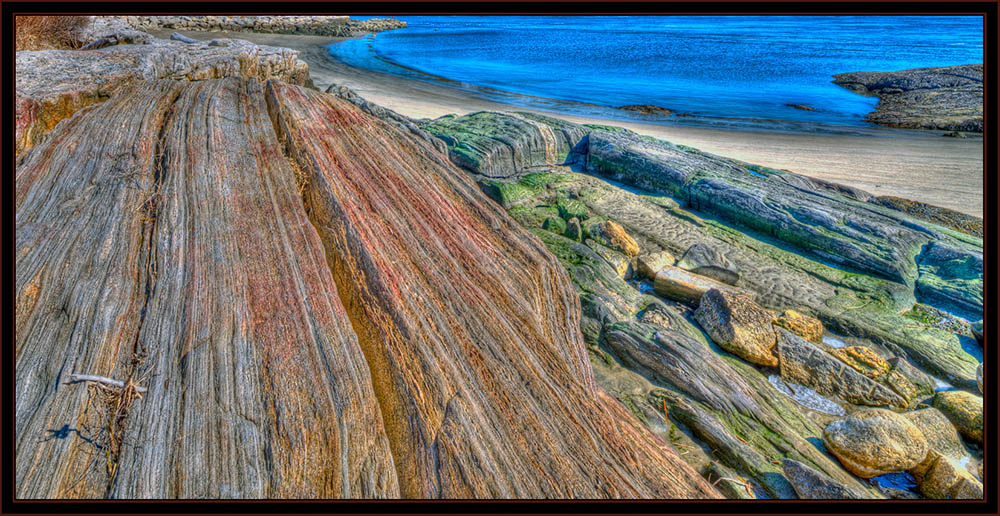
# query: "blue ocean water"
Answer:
x=713 y=67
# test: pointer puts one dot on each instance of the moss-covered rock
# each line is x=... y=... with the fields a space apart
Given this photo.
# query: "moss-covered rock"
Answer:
x=952 y=276
x=574 y=231
x=500 y=145
x=554 y=224
x=616 y=260
x=571 y=208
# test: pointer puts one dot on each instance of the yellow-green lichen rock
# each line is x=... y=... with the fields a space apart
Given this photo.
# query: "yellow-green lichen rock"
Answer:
x=739 y=325
x=964 y=410
x=863 y=360
x=808 y=328
x=943 y=478
x=940 y=434
x=616 y=260
x=874 y=442
x=614 y=236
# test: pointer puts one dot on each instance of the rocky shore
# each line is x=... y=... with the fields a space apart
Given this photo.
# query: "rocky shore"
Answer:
x=708 y=311
x=288 y=293
x=947 y=98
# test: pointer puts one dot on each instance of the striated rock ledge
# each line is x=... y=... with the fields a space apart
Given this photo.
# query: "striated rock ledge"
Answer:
x=947 y=98
x=317 y=304
x=333 y=26
x=313 y=301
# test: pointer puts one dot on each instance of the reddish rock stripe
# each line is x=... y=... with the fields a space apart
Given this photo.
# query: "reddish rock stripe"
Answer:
x=261 y=390
x=470 y=328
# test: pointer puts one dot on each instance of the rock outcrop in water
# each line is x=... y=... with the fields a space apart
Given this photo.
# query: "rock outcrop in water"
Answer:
x=299 y=300
x=947 y=98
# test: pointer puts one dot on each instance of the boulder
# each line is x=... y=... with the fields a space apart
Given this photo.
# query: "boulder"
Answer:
x=707 y=261
x=811 y=484
x=647 y=265
x=940 y=434
x=942 y=478
x=614 y=236
x=804 y=363
x=737 y=324
x=681 y=285
x=875 y=442
x=808 y=328
x=964 y=410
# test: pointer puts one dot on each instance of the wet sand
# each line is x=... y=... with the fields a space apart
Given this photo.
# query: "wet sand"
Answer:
x=922 y=166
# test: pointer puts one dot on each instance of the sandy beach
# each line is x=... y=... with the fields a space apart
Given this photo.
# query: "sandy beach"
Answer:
x=927 y=167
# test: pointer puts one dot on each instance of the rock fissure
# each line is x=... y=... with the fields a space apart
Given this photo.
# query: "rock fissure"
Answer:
x=367 y=335
x=119 y=403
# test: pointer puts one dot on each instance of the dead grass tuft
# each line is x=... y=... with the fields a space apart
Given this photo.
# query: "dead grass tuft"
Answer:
x=49 y=32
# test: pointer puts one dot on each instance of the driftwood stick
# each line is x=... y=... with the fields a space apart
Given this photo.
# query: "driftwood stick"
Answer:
x=101 y=379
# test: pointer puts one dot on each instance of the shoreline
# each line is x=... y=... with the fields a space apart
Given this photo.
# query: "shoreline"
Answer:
x=929 y=168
